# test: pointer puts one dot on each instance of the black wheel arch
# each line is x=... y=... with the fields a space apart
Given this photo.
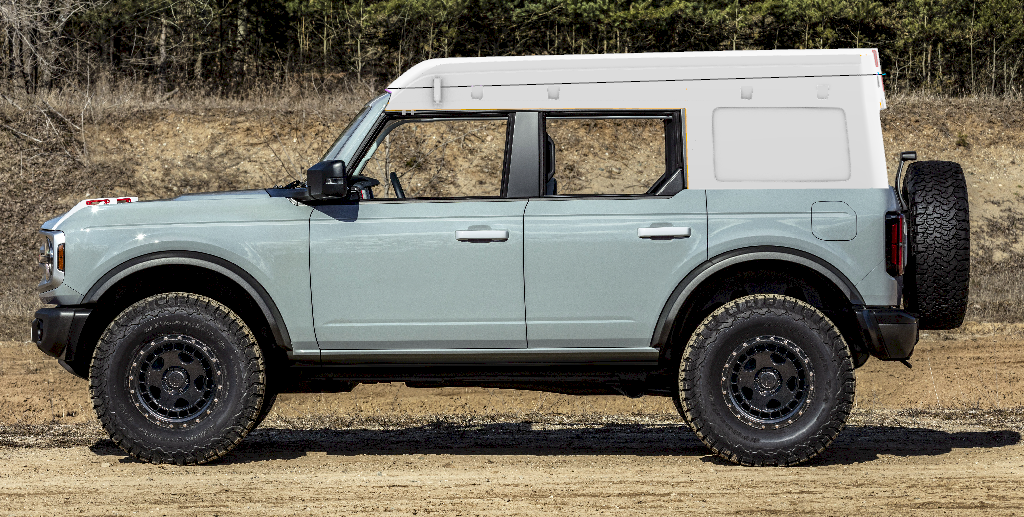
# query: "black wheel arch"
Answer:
x=190 y=271
x=687 y=306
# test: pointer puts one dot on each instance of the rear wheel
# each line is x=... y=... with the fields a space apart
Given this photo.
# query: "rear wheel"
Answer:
x=177 y=378
x=766 y=380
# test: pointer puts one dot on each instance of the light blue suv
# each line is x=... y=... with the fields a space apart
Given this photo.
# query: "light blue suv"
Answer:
x=736 y=248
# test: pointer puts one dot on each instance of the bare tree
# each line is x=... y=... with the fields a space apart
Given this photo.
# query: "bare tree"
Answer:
x=35 y=31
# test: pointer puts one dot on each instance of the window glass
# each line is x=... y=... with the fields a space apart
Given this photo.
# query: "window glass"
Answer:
x=353 y=135
x=781 y=144
x=439 y=158
x=605 y=155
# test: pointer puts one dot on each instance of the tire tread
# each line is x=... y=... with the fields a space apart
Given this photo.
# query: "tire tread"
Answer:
x=938 y=272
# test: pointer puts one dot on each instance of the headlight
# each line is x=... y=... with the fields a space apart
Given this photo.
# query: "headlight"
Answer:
x=46 y=258
x=51 y=259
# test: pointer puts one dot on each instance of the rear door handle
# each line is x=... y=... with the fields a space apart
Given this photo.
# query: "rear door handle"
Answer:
x=481 y=235
x=663 y=232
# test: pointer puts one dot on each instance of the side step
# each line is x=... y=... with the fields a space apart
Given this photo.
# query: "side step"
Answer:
x=491 y=357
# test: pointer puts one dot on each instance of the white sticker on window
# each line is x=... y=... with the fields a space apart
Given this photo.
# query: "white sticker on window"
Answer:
x=781 y=144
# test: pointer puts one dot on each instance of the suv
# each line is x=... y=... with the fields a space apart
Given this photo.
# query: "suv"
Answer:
x=715 y=227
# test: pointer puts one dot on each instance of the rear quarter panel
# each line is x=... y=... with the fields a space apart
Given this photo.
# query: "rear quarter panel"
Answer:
x=740 y=219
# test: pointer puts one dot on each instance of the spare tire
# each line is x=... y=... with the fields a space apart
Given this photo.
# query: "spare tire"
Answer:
x=938 y=263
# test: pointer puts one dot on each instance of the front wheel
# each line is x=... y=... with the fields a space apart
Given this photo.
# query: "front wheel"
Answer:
x=177 y=378
x=766 y=380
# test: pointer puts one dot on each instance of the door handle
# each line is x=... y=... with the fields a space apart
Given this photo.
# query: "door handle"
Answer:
x=481 y=235
x=663 y=232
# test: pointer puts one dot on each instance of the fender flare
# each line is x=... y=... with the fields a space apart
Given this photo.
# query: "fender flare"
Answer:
x=677 y=300
x=204 y=260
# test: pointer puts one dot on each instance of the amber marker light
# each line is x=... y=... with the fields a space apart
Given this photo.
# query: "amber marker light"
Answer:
x=60 y=257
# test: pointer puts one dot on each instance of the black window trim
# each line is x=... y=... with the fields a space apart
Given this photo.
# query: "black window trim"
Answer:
x=675 y=145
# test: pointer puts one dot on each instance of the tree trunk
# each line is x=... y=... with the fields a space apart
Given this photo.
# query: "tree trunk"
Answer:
x=241 y=40
x=162 y=63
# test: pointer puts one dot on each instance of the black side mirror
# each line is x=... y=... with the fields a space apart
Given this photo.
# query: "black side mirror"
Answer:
x=326 y=179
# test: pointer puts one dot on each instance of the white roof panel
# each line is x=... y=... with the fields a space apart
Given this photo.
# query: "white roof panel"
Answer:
x=607 y=68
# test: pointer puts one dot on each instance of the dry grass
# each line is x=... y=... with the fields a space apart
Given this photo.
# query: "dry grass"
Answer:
x=128 y=140
x=997 y=263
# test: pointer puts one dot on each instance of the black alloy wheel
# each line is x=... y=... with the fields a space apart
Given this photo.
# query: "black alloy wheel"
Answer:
x=767 y=381
x=174 y=379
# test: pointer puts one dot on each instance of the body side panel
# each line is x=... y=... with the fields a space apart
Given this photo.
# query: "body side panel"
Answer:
x=591 y=281
x=392 y=275
x=747 y=218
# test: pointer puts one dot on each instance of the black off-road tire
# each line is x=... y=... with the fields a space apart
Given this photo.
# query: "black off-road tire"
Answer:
x=938 y=271
x=177 y=378
x=767 y=380
x=269 y=398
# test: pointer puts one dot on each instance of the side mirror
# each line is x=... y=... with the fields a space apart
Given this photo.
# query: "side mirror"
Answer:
x=326 y=179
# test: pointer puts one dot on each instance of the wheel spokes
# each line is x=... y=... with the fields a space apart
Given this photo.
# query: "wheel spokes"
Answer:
x=173 y=378
x=766 y=379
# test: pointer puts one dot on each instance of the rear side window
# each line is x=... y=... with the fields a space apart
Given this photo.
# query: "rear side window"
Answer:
x=781 y=144
x=609 y=154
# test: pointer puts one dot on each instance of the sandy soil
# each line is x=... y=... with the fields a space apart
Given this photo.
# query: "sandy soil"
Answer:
x=889 y=465
x=945 y=435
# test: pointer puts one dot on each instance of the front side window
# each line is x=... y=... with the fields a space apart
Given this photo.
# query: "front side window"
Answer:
x=438 y=158
x=610 y=154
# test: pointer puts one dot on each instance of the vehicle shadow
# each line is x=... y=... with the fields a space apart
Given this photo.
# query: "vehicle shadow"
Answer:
x=856 y=444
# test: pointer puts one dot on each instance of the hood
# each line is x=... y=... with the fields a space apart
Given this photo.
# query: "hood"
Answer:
x=233 y=194
x=202 y=207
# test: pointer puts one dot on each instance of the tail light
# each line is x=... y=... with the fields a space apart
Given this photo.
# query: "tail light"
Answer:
x=895 y=243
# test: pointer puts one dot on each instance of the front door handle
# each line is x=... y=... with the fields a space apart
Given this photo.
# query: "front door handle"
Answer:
x=481 y=235
x=664 y=232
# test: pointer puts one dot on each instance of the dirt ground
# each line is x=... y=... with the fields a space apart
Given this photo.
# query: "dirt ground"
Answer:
x=943 y=436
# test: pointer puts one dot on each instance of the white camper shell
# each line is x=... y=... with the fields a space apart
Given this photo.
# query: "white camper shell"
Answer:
x=753 y=119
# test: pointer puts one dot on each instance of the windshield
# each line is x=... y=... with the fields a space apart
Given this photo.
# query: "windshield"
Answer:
x=350 y=139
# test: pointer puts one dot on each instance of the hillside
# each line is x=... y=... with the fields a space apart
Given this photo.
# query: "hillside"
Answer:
x=161 y=150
